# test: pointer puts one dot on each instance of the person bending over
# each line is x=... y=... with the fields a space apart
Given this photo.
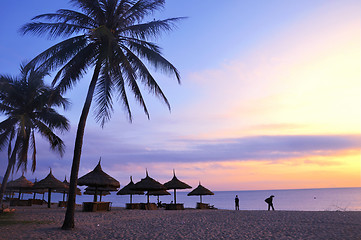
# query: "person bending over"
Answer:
x=269 y=201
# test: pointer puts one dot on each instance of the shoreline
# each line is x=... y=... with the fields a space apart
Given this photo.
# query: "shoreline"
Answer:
x=39 y=222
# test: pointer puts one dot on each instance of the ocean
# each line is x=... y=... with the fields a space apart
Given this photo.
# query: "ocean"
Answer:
x=325 y=199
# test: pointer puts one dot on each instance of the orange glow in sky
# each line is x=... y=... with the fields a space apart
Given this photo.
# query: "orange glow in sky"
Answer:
x=268 y=101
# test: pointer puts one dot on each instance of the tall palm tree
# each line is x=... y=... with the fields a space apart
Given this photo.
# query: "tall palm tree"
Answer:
x=28 y=105
x=113 y=38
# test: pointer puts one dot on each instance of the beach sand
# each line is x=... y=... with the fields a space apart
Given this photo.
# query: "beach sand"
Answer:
x=38 y=222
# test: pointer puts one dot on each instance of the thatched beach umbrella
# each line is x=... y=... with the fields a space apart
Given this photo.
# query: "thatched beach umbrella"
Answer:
x=176 y=184
x=97 y=179
x=100 y=191
x=128 y=190
x=200 y=190
x=20 y=184
x=158 y=193
x=148 y=184
x=66 y=190
x=50 y=183
x=39 y=191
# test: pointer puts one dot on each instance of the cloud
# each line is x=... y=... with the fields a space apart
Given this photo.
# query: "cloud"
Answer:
x=272 y=148
x=257 y=148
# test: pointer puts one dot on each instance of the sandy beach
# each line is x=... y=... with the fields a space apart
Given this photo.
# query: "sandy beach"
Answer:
x=38 y=222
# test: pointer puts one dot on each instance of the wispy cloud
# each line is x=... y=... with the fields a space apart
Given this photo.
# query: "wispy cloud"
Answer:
x=243 y=149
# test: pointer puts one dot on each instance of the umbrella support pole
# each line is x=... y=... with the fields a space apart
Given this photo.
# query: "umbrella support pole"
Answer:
x=175 y=196
x=95 y=194
x=49 y=197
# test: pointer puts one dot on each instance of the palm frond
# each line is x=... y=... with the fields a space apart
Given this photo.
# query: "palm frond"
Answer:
x=51 y=30
x=129 y=75
x=154 y=58
x=23 y=149
x=6 y=136
x=109 y=7
x=150 y=29
x=68 y=16
x=26 y=101
x=91 y=8
x=117 y=39
x=140 y=9
x=103 y=96
x=58 y=54
x=55 y=142
x=54 y=98
x=146 y=77
x=5 y=108
x=121 y=89
x=53 y=119
x=74 y=69
x=11 y=138
x=122 y=7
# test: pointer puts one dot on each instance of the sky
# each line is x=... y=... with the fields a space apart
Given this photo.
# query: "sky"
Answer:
x=270 y=98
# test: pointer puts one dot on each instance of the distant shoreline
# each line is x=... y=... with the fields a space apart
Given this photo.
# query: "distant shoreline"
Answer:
x=287 y=189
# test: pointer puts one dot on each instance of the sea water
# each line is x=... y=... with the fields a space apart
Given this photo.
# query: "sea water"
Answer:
x=326 y=199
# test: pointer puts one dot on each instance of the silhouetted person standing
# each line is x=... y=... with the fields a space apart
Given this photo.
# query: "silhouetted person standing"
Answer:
x=269 y=201
x=236 y=202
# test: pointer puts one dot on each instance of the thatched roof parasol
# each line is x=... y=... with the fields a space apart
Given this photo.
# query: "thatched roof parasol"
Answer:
x=158 y=193
x=66 y=190
x=127 y=190
x=50 y=183
x=101 y=189
x=98 y=191
x=92 y=192
x=175 y=183
x=22 y=184
x=200 y=190
x=148 y=184
x=98 y=178
x=38 y=191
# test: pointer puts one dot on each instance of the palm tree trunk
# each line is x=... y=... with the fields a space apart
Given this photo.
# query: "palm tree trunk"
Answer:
x=10 y=166
x=69 y=215
x=5 y=180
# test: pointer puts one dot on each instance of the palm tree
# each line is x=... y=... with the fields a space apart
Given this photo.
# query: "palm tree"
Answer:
x=28 y=105
x=113 y=38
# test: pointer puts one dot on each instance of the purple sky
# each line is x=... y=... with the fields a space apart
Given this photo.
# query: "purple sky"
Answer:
x=264 y=84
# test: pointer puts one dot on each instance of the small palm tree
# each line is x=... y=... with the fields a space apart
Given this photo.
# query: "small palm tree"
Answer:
x=113 y=38
x=28 y=105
